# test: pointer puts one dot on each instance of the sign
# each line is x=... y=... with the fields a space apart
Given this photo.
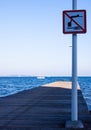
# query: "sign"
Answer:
x=74 y=21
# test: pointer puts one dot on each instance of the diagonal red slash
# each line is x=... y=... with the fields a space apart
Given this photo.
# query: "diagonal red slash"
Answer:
x=74 y=21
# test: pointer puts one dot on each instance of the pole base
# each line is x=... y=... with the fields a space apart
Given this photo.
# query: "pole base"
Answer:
x=74 y=124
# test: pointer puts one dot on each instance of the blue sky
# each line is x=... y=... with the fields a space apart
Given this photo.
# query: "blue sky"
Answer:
x=32 y=42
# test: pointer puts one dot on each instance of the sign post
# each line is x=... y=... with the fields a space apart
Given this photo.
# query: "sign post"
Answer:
x=74 y=21
x=74 y=72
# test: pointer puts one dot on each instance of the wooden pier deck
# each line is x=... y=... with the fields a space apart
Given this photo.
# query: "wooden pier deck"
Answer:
x=42 y=108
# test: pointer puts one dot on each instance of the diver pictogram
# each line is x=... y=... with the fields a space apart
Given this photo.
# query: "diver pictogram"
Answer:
x=74 y=21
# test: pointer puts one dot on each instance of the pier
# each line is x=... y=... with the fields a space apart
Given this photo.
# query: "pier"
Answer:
x=42 y=108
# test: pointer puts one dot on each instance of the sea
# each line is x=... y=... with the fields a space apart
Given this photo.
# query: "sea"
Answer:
x=12 y=85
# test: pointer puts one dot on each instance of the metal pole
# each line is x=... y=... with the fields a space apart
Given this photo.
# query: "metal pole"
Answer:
x=74 y=71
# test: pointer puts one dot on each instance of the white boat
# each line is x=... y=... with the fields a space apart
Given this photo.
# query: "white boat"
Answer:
x=40 y=77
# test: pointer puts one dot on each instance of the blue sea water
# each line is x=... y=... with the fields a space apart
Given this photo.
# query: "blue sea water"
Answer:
x=12 y=85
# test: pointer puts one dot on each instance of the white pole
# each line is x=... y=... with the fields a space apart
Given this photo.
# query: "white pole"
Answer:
x=74 y=71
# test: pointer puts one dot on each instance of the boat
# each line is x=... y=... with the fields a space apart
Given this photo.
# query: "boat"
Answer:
x=40 y=77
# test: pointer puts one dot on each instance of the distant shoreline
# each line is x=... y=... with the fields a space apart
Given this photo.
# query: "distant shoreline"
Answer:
x=43 y=76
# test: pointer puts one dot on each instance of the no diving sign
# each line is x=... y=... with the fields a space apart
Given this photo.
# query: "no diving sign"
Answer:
x=74 y=21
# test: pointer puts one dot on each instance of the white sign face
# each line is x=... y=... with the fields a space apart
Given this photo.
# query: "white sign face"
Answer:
x=74 y=21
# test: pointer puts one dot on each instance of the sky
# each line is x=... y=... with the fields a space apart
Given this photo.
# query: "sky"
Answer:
x=32 y=42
